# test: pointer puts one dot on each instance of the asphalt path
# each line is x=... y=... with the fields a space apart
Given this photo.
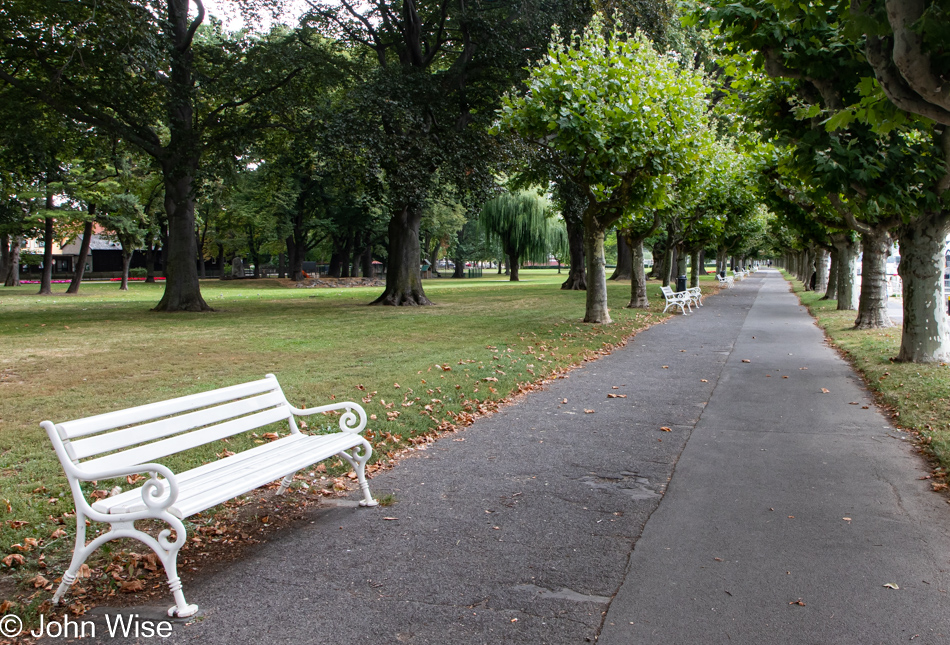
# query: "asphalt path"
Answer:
x=545 y=523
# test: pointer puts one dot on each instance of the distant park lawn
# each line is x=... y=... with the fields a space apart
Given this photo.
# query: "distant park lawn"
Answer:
x=918 y=395
x=67 y=357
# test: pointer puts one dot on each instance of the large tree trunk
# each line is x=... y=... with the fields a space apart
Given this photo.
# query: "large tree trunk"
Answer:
x=924 y=337
x=695 y=266
x=12 y=278
x=821 y=269
x=668 y=260
x=624 y=259
x=83 y=253
x=515 y=263
x=596 y=311
x=46 y=281
x=638 y=280
x=281 y=266
x=847 y=273
x=150 y=264
x=182 y=290
x=872 y=306
x=403 y=278
x=702 y=263
x=577 y=275
x=681 y=259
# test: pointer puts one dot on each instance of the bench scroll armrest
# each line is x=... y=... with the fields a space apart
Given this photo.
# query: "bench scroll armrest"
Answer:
x=157 y=494
x=353 y=420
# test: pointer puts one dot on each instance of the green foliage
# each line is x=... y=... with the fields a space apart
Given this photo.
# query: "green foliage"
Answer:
x=521 y=222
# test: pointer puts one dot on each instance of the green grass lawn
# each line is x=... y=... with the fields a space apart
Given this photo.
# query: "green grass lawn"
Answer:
x=918 y=395
x=66 y=357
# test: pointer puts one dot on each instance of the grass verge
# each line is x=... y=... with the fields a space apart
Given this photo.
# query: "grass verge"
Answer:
x=417 y=371
x=917 y=395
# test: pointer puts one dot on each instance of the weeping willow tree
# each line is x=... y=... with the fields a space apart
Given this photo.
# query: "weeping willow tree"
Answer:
x=522 y=224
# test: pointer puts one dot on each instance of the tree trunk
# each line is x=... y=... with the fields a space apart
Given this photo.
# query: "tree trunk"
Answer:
x=367 y=256
x=46 y=281
x=4 y=257
x=847 y=273
x=821 y=269
x=831 y=291
x=281 y=266
x=624 y=259
x=872 y=306
x=702 y=263
x=577 y=275
x=515 y=263
x=695 y=265
x=667 y=266
x=182 y=290
x=596 y=310
x=126 y=259
x=924 y=337
x=403 y=279
x=638 y=279
x=220 y=262
x=13 y=276
x=681 y=258
x=83 y=253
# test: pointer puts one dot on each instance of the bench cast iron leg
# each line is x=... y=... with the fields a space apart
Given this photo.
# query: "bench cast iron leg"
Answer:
x=358 y=460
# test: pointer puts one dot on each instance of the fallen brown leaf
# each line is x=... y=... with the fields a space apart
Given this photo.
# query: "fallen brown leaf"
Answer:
x=588 y=411
x=131 y=586
x=797 y=602
x=825 y=390
x=13 y=558
x=746 y=360
x=666 y=429
x=702 y=380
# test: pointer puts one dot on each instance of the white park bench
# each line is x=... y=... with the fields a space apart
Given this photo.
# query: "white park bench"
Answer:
x=127 y=442
x=727 y=280
x=680 y=299
x=696 y=295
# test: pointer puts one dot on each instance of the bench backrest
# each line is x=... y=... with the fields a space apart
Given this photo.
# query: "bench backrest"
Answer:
x=148 y=432
x=667 y=291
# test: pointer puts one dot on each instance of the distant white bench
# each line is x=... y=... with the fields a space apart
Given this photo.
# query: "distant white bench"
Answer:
x=696 y=294
x=681 y=299
x=727 y=280
x=126 y=442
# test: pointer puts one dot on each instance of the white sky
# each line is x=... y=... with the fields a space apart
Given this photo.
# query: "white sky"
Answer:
x=227 y=11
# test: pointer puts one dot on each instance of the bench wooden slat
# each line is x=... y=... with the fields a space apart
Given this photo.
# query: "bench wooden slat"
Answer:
x=118 y=439
x=130 y=416
x=180 y=443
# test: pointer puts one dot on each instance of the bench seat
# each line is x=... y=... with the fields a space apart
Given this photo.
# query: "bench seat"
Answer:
x=215 y=483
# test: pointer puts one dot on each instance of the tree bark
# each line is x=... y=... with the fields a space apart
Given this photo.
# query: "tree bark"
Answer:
x=367 y=256
x=667 y=265
x=403 y=278
x=515 y=263
x=577 y=275
x=872 y=306
x=695 y=266
x=83 y=253
x=46 y=281
x=624 y=259
x=150 y=264
x=681 y=258
x=638 y=280
x=847 y=272
x=924 y=337
x=12 y=278
x=4 y=257
x=281 y=266
x=126 y=259
x=702 y=263
x=831 y=291
x=821 y=269
x=596 y=311
x=182 y=290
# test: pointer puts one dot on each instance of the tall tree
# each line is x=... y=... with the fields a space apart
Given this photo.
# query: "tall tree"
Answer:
x=521 y=223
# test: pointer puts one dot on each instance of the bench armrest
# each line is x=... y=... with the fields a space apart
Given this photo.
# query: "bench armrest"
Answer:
x=353 y=420
x=157 y=494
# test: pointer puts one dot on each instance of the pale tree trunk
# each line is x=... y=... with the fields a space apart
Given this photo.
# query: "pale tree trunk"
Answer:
x=872 y=306
x=821 y=268
x=695 y=266
x=667 y=267
x=624 y=259
x=680 y=262
x=403 y=277
x=596 y=310
x=577 y=274
x=83 y=253
x=638 y=279
x=924 y=337
x=12 y=278
x=847 y=273
x=831 y=291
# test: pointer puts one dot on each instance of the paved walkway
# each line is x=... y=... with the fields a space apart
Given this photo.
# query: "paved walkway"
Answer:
x=546 y=524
